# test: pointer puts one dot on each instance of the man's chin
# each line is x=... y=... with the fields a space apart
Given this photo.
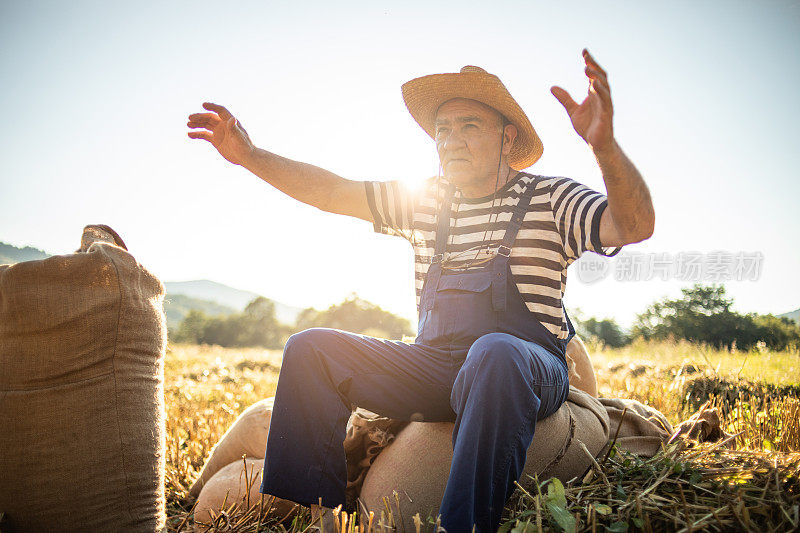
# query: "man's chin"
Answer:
x=459 y=177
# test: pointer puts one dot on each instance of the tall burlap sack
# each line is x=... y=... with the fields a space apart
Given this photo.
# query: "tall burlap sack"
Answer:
x=247 y=437
x=417 y=464
x=232 y=485
x=82 y=343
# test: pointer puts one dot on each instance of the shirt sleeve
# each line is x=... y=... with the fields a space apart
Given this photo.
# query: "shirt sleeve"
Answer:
x=392 y=205
x=577 y=210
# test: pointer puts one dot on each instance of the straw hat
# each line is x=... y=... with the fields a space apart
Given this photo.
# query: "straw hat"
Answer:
x=424 y=95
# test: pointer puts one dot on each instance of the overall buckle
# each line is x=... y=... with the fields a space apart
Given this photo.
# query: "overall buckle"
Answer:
x=505 y=251
x=437 y=258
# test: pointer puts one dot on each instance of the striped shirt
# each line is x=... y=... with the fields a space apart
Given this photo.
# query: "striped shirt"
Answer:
x=562 y=222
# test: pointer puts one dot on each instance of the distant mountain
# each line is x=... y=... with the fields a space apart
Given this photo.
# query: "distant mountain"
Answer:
x=177 y=306
x=182 y=296
x=211 y=291
x=10 y=254
x=794 y=315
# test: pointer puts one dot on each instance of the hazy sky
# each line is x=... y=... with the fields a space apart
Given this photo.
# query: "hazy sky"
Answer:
x=96 y=94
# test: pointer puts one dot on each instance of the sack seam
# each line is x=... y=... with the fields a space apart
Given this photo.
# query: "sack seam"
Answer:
x=567 y=443
x=116 y=391
x=60 y=384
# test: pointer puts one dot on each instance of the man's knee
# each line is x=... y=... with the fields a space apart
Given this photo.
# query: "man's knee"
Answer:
x=496 y=349
x=496 y=364
x=496 y=357
x=305 y=344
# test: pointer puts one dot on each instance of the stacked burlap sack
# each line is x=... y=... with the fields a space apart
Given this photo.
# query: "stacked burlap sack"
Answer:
x=232 y=474
x=82 y=343
x=412 y=459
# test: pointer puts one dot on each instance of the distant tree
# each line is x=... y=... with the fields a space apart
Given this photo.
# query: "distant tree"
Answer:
x=256 y=326
x=606 y=331
x=356 y=315
x=778 y=333
x=191 y=327
x=223 y=330
x=701 y=315
x=704 y=315
x=259 y=325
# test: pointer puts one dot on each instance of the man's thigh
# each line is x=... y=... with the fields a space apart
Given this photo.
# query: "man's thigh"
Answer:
x=545 y=372
x=550 y=378
x=391 y=378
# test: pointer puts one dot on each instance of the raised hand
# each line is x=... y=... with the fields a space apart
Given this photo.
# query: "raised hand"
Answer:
x=592 y=119
x=223 y=131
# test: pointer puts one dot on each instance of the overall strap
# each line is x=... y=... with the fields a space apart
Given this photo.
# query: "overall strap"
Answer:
x=570 y=327
x=517 y=216
x=499 y=265
x=435 y=268
x=443 y=228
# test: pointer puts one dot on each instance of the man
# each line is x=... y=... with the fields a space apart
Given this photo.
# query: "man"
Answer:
x=492 y=245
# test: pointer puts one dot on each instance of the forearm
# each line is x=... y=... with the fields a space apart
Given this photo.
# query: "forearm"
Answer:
x=628 y=196
x=303 y=182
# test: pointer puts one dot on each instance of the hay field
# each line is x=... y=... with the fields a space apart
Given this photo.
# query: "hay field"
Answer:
x=705 y=488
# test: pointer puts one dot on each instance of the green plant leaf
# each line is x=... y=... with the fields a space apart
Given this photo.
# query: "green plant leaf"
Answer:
x=523 y=528
x=602 y=509
x=505 y=528
x=555 y=493
x=562 y=517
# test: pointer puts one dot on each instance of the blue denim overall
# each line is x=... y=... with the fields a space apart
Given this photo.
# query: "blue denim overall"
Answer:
x=480 y=359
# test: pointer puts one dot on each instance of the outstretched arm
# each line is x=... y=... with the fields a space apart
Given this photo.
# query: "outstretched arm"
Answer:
x=307 y=183
x=630 y=216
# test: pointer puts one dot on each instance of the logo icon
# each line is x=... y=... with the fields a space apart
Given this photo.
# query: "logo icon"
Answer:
x=591 y=268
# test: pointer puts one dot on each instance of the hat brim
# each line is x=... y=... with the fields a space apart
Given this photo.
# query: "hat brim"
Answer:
x=424 y=95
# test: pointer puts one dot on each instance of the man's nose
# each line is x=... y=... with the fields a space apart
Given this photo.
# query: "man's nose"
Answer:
x=452 y=141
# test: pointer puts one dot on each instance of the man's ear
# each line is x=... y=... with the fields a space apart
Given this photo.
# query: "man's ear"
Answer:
x=509 y=136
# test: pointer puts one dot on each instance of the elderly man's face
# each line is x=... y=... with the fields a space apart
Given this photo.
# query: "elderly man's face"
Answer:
x=468 y=138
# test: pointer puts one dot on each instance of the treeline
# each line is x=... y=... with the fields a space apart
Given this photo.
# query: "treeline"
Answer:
x=258 y=325
x=703 y=314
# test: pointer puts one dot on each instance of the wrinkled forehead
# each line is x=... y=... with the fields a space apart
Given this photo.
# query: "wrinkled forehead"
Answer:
x=456 y=108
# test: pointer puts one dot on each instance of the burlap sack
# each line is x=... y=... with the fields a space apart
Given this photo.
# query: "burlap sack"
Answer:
x=223 y=480
x=232 y=485
x=82 y=342
x=581 y=371
x=705 y=425
x=367 y=434
x=417 y=464
x=247 y=437
x=638 y=428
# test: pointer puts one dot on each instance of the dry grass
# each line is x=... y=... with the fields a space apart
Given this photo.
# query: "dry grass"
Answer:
x=777 y=368
x=758 y=392
x=206 y=388
x=704 y=488
x=707 y=488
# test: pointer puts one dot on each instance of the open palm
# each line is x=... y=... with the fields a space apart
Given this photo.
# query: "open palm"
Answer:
x=592 y=118
x=223 y=131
